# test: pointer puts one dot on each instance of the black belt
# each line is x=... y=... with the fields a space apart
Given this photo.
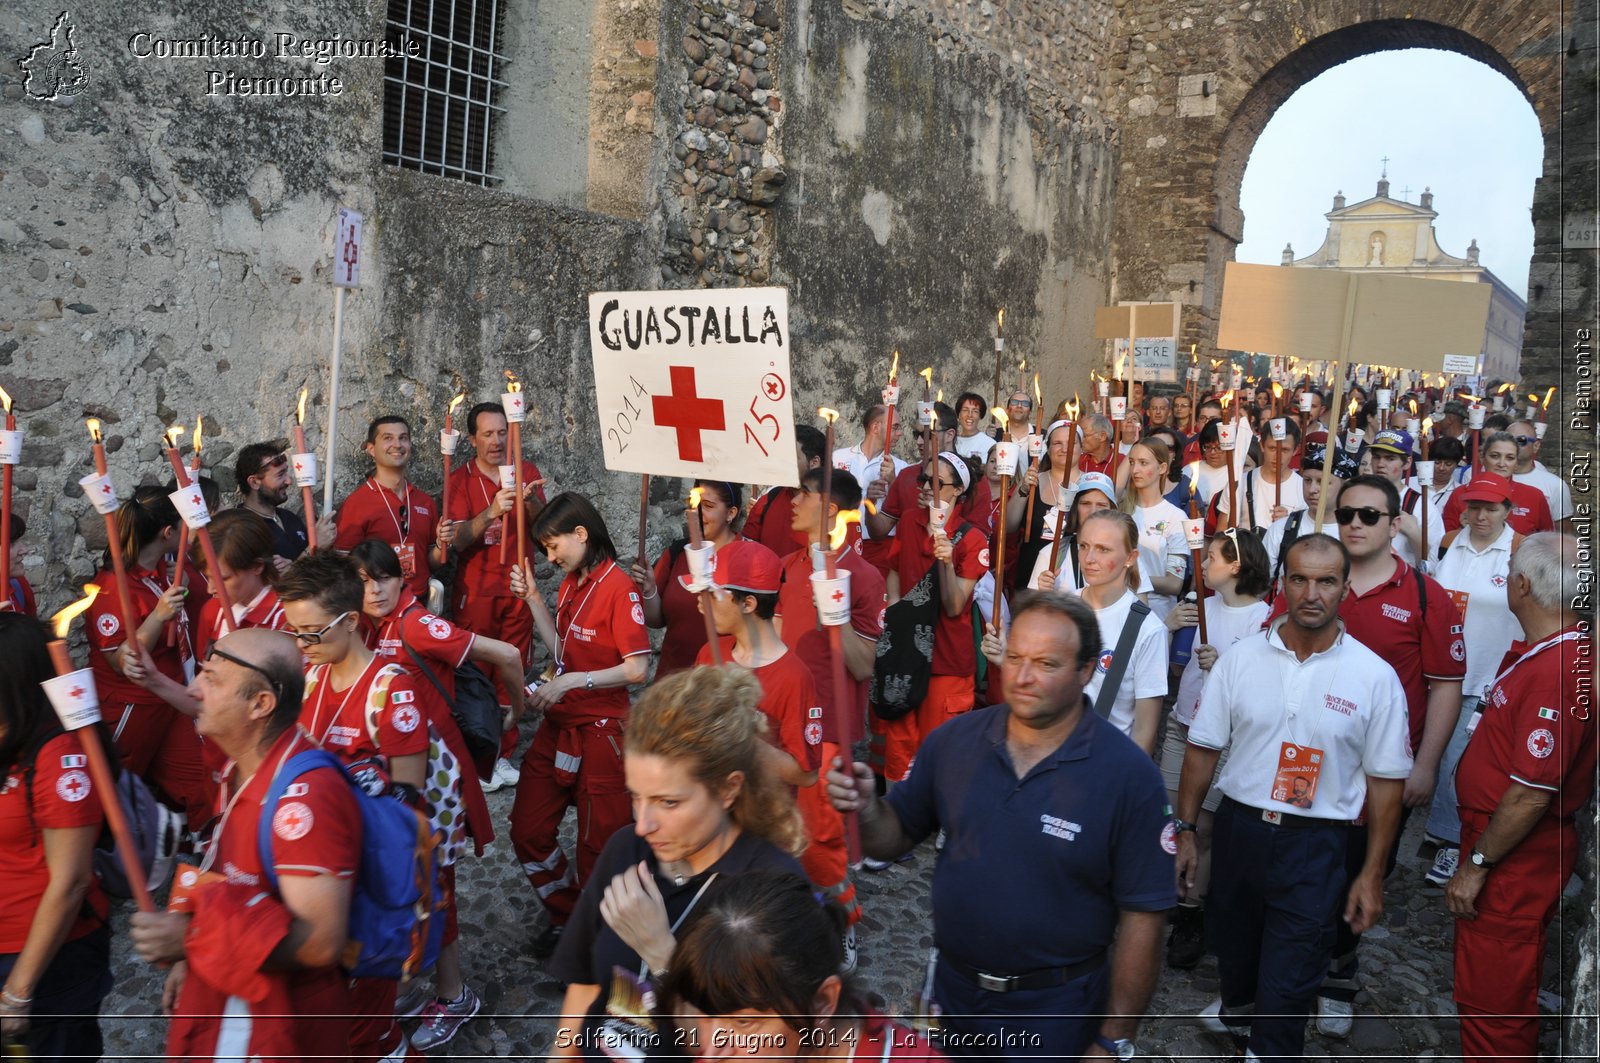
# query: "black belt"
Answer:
x=1281 y=819
x=1042 y=979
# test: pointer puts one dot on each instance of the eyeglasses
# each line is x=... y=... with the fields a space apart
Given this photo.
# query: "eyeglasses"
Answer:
x=921 y=434
x=314 y=638
x=1369 y=515
x=273 y=463
x=277 y=687
x=1526 y=441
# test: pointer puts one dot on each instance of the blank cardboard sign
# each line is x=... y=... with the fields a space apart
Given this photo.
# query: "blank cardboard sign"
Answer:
x=1153 y=320
x=1398 y=322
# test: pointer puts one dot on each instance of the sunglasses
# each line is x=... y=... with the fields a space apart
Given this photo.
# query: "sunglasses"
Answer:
x=314 y=638
x=1370 y=515
x=277 y=687
x=924 y=480
x=273 y=463
x=1526 y=441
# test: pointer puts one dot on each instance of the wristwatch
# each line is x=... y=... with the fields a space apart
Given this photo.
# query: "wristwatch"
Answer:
x=1479 y=860
x=1121 y=1048
x=588 y=680
x=1181 y=825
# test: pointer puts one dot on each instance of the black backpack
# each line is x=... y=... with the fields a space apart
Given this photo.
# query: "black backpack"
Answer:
x=475 y=708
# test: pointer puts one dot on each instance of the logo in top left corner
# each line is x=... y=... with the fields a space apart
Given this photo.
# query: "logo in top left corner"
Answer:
x=54 y=67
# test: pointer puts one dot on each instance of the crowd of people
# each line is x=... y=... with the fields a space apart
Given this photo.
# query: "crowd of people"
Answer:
x=1117 y=734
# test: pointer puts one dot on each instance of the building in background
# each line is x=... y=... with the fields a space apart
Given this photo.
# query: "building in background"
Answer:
x=1388 y=235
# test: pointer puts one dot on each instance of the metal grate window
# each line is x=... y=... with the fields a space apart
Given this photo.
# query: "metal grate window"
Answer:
x=439 y=108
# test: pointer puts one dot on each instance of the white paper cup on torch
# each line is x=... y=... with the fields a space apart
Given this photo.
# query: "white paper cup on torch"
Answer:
x=1414 y=428
x=1280 y=429
x=1238 y=380
x=1305 y=402
x=1539 y=428
x=1193 y=373
x=1006 y=453
x=11 y=447
x=191 y=506
x=1102 y=388
x=1424 y=474
x=1533 y=412
x=701 y=560
x=1194 y=532
x=74 y=699
x=939 y=512
x=448 y=441
x=832 y=597
x=1475 y=415
x=924 y=414
x=1385 y=398
x=1353 y=440
x=891 y=395
x=1226 y=435
x=305 y=469
x=1119 y=408
x=1035 y=446
x=508 y=477
x=100 y=492
x=513 y=404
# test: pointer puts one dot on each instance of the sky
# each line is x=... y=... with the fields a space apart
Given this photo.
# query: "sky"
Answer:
x=1445 y=122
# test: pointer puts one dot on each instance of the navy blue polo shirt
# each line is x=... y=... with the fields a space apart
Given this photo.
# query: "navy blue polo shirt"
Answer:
x=1034 y=871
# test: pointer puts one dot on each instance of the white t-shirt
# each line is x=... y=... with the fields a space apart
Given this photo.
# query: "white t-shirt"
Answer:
x=1067 y=576
x=1438 y=498
x=864 y=469
x=1254 y=488
x=1476 y=579
x=1225 y=625
x=1272 y=541
x=975 y=446
x=1211 y=480
x=1163 y=550
x=1146 y=674
x=1345 y=701
x=1553 y=487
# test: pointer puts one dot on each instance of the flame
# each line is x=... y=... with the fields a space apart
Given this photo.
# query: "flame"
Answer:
x=1076 y=407
x=999 y=414
x=827 y=415
x=1548 y=396
x=1038 y=399
x=1355 y=407
x=94 y=428
x=1277 y=390
x=1000 y=319
x=300 y=407
x=841 y=526
x=938 y=396
x=1413 y=407
x=894 y=368
x=62 y=621
x=174 y=434
x=512 y=384
x=457 y=401
x=695 y=494
x=927 y=376
x=1227 y=398
x=1194 y=478
x=1503 y=388
x=198 y=422
x=5 y=399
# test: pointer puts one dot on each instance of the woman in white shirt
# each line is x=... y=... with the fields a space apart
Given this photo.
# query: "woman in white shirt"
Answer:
x=1108 y=552
x=1473 y=567
x=1095 y=491
x=1163 y=550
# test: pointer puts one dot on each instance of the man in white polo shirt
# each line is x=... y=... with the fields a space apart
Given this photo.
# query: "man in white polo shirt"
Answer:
x=1315 y=724
x=1530 y=471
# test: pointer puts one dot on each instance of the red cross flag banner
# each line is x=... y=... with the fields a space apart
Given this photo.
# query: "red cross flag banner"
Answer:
x=695 y=384
x=347 y=251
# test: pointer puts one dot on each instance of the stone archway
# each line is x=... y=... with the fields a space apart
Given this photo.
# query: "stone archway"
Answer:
x=1195 y=90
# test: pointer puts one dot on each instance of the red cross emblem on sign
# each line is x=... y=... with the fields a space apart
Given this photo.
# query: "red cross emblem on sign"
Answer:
x=838 y=596
x=687 y=413
x=351 y=251
x=76 y=692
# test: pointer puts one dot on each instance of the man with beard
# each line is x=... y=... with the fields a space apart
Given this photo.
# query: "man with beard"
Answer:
x=262 y=471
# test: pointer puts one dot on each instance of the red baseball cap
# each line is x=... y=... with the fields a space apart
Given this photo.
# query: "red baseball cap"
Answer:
x=747 y=566
x=1486 y=487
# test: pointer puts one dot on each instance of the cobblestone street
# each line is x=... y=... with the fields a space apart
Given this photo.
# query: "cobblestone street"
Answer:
x=1405 y=1012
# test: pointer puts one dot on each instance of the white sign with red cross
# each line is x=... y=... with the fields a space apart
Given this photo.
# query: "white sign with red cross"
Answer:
x=347 y=252
x=695 y=384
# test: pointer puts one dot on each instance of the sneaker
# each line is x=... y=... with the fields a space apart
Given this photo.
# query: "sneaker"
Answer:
x=1211 y=1019
x=506 y=773
x=413 y=1001
x=443 y=1019
x=850 y=952
x=544 y=946
x=875 y=866
x=1335 y=1017
x=1445 y=862
x=1186 y=945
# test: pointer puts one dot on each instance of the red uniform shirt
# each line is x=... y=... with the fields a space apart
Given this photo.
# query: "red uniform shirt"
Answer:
x=103 y=625
x=362 y=722
x=1086 y=463
x=901 y=504
x=685 y=628
x=406 y=523
x=1531 y=730
x=1388 y=620
x=771 y=521
x=442 y=645
x=480 y=573
x=954 y=652
x=22 y=595
x=803 y=634
x=1530 y=510
x=600 y=623
x=63 y=797
x=788 y=701
x=266 y=611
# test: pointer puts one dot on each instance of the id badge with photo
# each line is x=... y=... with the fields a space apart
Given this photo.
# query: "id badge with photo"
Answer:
x=628 y=1032
x=407 y=552
x=491 y=534
x=1296 y=780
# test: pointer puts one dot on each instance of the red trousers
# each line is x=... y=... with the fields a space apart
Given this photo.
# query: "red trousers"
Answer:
x=159 y=744
x=504 y=618
x=374 y=1032
x=826 y=859
x=948 y=696
x=1500 y=954
x=596 y=788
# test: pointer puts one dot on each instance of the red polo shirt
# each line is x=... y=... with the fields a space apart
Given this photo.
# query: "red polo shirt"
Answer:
x=788 y=701
x=443 y=647
x=266 y=611
x=1537 y=728
x=600 y=623
x=680 y=612
x=803 y=633
x=103 y=625
x=1530 y=510
x=954 y=652
x=771 y=521
x=406 y=522
x=901 y=504
x=1388 y=620
x=1087 y=463
x=479 y=572
x=359 y=723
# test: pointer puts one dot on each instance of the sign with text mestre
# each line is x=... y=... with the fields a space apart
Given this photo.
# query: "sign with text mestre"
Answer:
x=695 y=383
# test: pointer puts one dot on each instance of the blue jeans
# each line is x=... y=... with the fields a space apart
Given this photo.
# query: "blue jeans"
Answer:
x=1444 y=821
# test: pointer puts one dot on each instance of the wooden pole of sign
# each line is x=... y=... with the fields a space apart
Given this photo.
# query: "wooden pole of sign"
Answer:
x=1338 y=396
x=644 y=511
x=999 y=570
x=333 y=405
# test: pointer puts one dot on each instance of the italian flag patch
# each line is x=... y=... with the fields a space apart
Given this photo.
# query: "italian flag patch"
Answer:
x=1549 y=714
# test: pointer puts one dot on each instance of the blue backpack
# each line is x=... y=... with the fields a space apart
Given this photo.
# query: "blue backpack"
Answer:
x=396 y=920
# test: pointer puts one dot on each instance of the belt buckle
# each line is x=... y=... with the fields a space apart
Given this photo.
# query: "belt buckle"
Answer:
x=1269 y=816
x=995 y=983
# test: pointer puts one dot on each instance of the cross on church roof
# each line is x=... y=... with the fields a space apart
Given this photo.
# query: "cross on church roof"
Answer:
x=1405 y=193
x=1385 y=173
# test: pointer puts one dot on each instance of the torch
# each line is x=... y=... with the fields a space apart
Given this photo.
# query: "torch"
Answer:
x=191 y=506
x=1194 y=534
x=172 y=435
x=1544 y=413
x=103 y=495
x=1280 y=434
x=1475 y=414
x=891 y=398
x=72 y=695
x=1005 y=460
x=448 y=438
x=925 y=417
x=1035 y=451
x=1072 y=437
x=999 y=350
x=832 y=595
x=10 y=454
x=699 y=557
x=305 y=470
x=513 y=402
x=1226 y=430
